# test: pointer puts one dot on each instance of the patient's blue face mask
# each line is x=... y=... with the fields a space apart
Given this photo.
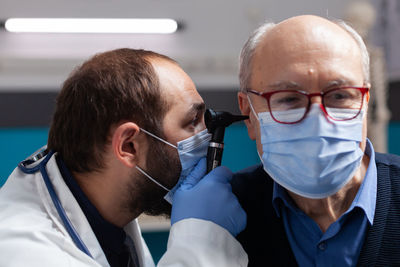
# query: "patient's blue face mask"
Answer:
x=314 y=158
x=190 y=151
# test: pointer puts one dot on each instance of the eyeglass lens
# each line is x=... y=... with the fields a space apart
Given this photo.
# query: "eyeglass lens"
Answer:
x=340 y=104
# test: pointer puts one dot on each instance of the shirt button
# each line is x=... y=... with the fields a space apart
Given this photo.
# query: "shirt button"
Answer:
x=322 y=246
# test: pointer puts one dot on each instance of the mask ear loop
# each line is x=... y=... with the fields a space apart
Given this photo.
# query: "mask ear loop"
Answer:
x=152 y=179
x=255 y=114
x=158 y=138
x=251 y=107
x=143 y=172
x=365 y=104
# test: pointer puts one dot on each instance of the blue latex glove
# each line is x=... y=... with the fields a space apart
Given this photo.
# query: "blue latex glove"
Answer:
x=209 y=198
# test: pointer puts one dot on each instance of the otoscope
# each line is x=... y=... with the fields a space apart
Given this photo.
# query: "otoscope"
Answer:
x=216 y=122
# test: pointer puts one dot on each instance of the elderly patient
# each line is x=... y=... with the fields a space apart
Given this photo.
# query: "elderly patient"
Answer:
x=322 y=196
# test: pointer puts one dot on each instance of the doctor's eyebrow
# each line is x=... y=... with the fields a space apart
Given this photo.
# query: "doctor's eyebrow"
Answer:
x=194 y=115
x=196 y=112
x=197 y=107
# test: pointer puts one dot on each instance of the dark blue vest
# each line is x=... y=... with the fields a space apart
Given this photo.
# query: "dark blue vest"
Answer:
x=264 y=238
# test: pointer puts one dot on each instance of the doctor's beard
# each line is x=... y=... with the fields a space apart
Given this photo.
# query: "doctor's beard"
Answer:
x=163 y=164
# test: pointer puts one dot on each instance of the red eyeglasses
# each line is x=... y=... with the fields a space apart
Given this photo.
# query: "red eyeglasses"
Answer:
x=292 y=106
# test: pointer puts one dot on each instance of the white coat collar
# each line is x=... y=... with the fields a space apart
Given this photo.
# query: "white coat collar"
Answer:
x=79 y=221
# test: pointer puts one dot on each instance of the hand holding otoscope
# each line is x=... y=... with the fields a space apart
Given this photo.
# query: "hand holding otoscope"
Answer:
x=216 y=122
x=213 y=199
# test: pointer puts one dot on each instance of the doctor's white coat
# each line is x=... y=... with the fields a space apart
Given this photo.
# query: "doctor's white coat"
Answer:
x=32 y=233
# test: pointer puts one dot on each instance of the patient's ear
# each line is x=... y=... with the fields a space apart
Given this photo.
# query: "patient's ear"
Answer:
x=244 y=107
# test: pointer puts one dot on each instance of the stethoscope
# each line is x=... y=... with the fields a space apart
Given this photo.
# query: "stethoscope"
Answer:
x=46 y=154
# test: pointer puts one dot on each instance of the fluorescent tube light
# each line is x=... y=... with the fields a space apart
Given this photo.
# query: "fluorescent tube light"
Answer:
x=72 y=25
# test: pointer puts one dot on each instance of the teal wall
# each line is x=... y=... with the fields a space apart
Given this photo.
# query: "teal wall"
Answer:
x=17 y=144
x=394 y=138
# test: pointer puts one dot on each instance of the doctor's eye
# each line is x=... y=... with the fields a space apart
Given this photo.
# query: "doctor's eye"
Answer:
x=196 y=120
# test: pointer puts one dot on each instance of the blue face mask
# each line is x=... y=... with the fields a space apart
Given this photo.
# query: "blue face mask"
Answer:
x=190 y=151
x=314 y=158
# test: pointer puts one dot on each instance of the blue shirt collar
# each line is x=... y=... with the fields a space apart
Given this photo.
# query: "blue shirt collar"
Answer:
x=366 y=195
x=365 y=198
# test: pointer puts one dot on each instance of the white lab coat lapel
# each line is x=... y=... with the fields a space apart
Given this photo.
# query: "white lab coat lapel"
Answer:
x=79 y=221
x=72 y=209
x=143 y=253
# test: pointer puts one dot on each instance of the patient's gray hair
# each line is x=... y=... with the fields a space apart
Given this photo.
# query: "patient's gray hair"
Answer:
x=246 y=55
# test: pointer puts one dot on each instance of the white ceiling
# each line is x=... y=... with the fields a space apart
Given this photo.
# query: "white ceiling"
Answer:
x=207 y=47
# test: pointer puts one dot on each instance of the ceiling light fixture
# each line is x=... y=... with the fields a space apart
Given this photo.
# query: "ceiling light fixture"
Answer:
x=86 y=25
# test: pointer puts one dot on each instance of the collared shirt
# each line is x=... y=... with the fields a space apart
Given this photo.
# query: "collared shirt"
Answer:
x=341 y=244
x=112 y=239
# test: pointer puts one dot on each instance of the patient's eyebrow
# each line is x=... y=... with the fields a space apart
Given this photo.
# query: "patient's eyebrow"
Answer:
x=336 y=83
x=290 y=85
x=283 y=85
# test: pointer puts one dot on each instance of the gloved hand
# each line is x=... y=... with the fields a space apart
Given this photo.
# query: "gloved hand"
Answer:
x=209 y=198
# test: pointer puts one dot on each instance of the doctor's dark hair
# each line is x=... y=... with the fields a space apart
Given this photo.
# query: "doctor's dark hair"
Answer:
x=110 y=88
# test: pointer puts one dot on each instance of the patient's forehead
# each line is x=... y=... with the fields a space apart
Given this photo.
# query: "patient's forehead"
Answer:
x=305 y=43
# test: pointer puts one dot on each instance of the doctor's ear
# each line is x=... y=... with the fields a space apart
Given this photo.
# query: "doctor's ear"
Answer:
x=245 y=109
x=125 y=143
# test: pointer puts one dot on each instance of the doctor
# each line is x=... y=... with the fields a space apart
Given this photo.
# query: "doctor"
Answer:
x=127 y=137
